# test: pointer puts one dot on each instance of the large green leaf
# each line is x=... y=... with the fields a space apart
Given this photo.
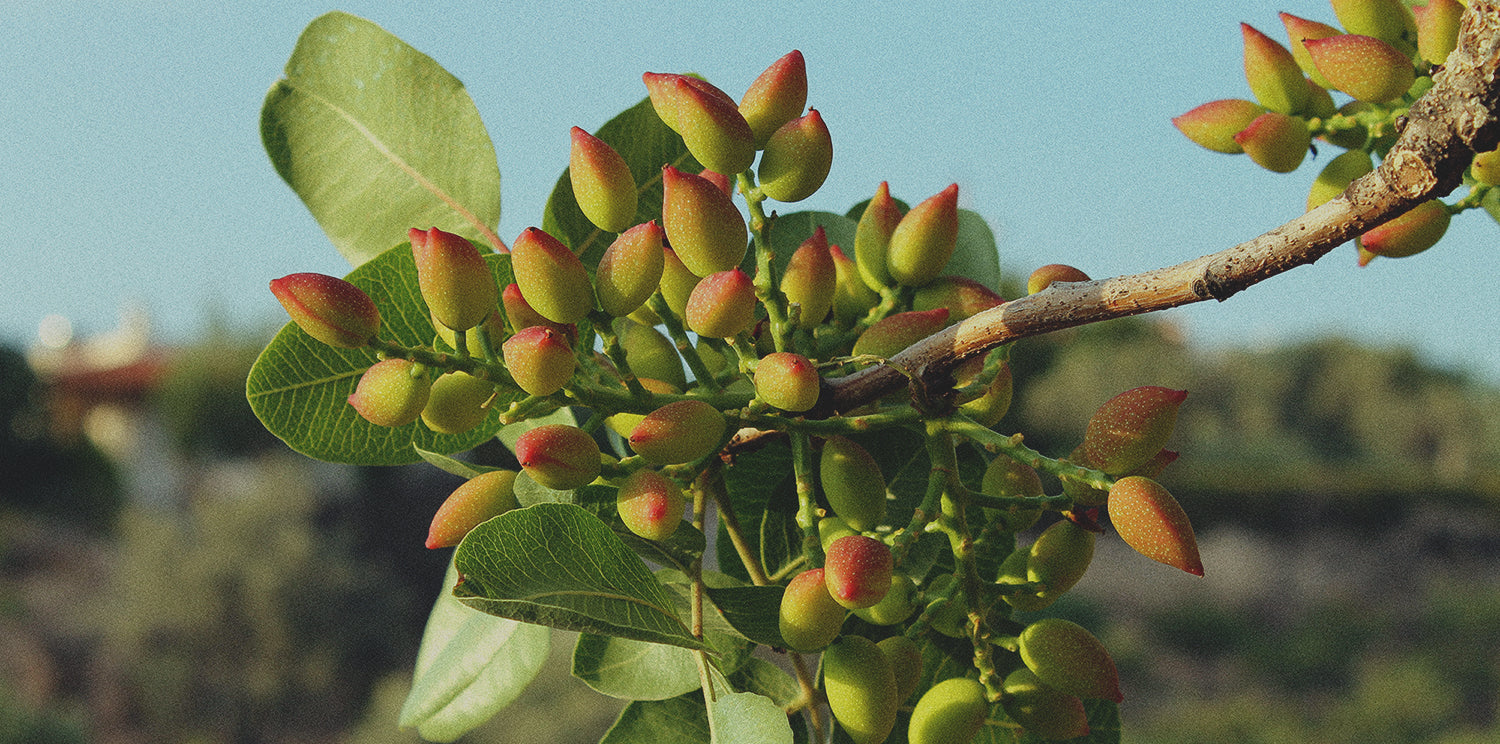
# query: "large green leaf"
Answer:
x=299 y=387
x=634 y=670
x=646 y=144
x=753 y=611
x=748 y=718
x=559 y=565
x=762 y=491
x=681 y=720
x=470 y=666
x=376 y=138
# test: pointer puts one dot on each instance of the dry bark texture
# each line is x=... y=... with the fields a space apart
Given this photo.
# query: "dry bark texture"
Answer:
x=1459 y=115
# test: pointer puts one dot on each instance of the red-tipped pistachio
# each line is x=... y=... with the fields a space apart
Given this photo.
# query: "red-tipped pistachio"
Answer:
x=391 y=393
x=484 y=496
x=327 y=308
x=809 y=618
x=872 y=237
x=602 y=183
x=852 y=483
x=858 y=571
x=1437 y=29
x=888 y=336
x=1275 y=141
x=630 y=269
x=963 y=297
x=861 y=689
x=1066 y=657
x=454 y=279
x=702 y=223
x=678 y=432
x=1046 y=276
x=709 y=121
x=788 y=381
x=1273 y=74
x=1214 y=124
x=456 y=403
x=852 y=298
x=1151 y=521
x=1409 y=234
x=797 y=159
x=722 y=305
x=950 y=712
x=539 y=359
x=551 y=278
x=558 y=456
x=1042 y=710
x=1299 y=30
x=810 y=279
x=776 y=97
x=650 y=504
x=924 y=240
x=1131 y=428
x=1337 y=175
x=1365 y=67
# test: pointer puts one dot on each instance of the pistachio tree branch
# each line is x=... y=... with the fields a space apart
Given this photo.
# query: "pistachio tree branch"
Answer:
x=1458 y=116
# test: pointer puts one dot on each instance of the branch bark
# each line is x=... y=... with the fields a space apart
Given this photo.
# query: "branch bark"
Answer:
x=1458 y=116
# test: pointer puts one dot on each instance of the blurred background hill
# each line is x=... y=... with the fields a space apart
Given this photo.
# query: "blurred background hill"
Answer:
x=171 y=573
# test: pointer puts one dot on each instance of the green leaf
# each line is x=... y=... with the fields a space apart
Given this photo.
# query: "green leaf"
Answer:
x=634 y=670
x=559 y=565
x=753 y=611
x=377 y=138
x=469 y=667
x=763 y=677
x=679 y=551
x=681 y=720
x=763 y=493
x=788 y=232
x=748 y=718
x=299 y=387
x=451 y=465
x=646 y=144
x=976 y=256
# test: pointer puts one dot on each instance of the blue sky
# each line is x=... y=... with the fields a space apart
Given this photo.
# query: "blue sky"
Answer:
x=134 y=171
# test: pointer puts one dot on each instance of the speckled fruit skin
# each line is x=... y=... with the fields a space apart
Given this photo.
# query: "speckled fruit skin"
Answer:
x=809 y=618
x=1067 y=657
x=1050 y=274
x=1411 y=233
x=558 y=456
x=329 y=309
x=894 y=607
x=1153 y=523
x=797 y=159
x=388 y=395
x=893 y=333
x=1058 y=558
x=703 y=225
x=484 y=496
x=924 y=240
x=539 y=359
x=1272 y=72
x=1366 y=68
x=852 y=483
x=678 y=432
x=1131 y=428
x=950 y=712
x=810 y=280
x=1007 y=478
x=650 y=504
x=1275 y=141
x=906 y=663
x=722 y=305
x=456 y=403
x=454 y=279
x=872 y=237
x=788 y=381
x=630 y=269
x=602 y=183
x=551 y=278
x=861 y=689
x=776 y=97
x=858 y=571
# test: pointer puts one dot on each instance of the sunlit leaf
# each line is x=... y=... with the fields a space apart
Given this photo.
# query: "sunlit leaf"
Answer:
x=634 y=670
x=748 y=718
x=559 y=565
x=470 y=666
x=377 y=138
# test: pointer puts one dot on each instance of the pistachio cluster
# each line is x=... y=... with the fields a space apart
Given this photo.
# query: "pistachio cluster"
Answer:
x=1346 y=86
